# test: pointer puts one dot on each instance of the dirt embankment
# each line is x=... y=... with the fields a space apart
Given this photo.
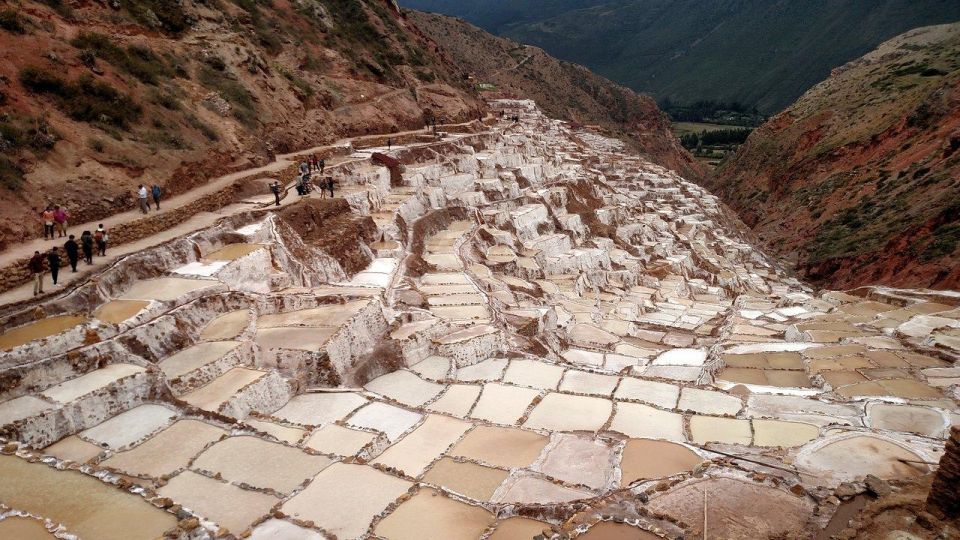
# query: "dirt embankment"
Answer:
x=859 y=181
x=329 y=225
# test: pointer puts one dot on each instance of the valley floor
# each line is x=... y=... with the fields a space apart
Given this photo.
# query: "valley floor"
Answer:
x=545 y=335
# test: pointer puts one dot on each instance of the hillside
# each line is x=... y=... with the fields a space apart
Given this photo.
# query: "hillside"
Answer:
x=859 y=180
x=562 y=89
x=762 y=53
x=97 y=98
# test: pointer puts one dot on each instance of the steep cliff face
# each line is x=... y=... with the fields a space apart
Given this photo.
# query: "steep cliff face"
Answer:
x=859 y=181
x=562 y=89
x=96 y=98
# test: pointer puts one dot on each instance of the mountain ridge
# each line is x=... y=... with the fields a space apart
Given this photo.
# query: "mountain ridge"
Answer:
x=858 y=182
x=690 y=50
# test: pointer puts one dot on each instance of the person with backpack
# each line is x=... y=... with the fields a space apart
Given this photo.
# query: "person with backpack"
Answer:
x=330 y=185
x=53 y=259
x=155 y=191
x=73 y=252
x=100 y=237
x=323 y=164
x=36 y=272
x=47 y=217
x=86 y=243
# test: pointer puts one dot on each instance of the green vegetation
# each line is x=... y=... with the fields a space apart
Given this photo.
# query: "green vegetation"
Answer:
x=233 y=91
x=11 y=21
x=713 y=112
x=137 y=60
x=757 y=52
x=21 y=134
x=946 y=239
x=166 y=15
x=715 y=137
x=83 y=99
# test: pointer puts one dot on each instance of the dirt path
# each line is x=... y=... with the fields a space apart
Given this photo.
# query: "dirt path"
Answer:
x=200 y=220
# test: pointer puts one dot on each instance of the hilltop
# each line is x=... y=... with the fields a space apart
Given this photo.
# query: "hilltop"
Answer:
x=859 y=180
x=562 y=89
x=762 y=53
x=98 y=98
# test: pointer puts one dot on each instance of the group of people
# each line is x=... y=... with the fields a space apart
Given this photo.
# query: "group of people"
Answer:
x=143 y=194
x=54 y=220
x=314 y=164
x=89 y=242
x=304 y=184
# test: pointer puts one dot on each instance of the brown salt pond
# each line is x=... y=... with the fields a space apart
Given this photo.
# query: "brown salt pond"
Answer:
x=735 y=509
x=474 y=481
x=232 y=252
x=87 y=507
x=227 y=326
x=766 y=377
x=50 y=326
x=646 y=459
x=608 y=530
x=502 y=447
x=24 y=528
x=431 y=515
x=519 y=528
x=117 y=311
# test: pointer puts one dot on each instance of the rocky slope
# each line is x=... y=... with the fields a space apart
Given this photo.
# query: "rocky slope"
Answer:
x=97 y=98
x=562 y=89
x=859 y=180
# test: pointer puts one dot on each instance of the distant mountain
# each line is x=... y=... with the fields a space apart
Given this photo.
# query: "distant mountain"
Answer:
x=562 y=89
x=859 y=180
x=762 y=53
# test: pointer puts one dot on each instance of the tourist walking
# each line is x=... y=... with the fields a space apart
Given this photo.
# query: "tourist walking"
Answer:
x=330 y=185
x=73 y=252
x=142 y=196
x=86 y=243
x=389 y=143
x=155 y=191
x=53 y=259
x=304 y=168
x=47 y=217
x=275 y=188
x=36 y=272
x=60 y=216
x=323 y=165
x=100 y=237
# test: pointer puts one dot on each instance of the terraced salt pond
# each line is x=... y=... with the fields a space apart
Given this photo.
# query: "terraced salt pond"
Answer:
x=496 y=370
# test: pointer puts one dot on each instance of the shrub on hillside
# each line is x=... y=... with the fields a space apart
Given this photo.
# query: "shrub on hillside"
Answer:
x=137 y=60
x=11 y=22
x=167 y=15
x=83 y=99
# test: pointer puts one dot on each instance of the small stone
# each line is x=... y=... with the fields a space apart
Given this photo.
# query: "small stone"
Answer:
x=189 y=523
x=877 y=486
x=10 y=448
x=164 y=502
x=833 y=500
x=846 y=490
x=926 y=520
x=798 y=490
